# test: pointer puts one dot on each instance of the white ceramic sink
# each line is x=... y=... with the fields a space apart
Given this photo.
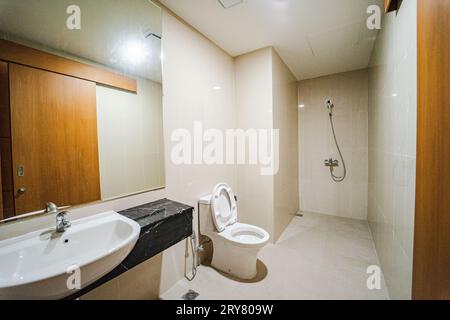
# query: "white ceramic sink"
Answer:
x=35 y=265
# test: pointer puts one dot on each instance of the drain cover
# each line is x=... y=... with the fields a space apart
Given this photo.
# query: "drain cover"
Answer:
x=190 y=295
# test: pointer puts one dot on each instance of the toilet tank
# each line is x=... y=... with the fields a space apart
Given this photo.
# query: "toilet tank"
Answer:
x=205 y=216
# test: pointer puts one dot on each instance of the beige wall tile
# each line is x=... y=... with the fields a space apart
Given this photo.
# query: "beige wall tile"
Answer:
x=142 y=282
x=266 y=97
x=254 y=101
x=192 y=67
x=318 y=193
x=285 y=115
x=107 y=291
x=392 y=146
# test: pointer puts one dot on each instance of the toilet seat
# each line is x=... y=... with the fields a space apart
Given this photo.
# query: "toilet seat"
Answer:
x=245 y=235
x=223 y=206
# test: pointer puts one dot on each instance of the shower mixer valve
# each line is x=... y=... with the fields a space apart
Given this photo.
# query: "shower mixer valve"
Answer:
x=331 y=163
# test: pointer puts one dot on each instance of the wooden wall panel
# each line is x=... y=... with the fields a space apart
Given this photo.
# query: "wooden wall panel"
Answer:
x=13 y=52
x=5 y=145
x=7 y=178
x=3 y=96
x=5 y=129
x=431 y=274
x=54 y=136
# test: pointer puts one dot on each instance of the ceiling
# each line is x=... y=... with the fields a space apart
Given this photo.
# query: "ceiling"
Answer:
x=313 y=37
x=112 y=32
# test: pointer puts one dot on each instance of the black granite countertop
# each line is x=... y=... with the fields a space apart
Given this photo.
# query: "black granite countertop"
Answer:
x=151 y=214
x=163 y=223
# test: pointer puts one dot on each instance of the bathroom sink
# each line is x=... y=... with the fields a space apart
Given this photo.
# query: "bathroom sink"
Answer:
x=37 y=265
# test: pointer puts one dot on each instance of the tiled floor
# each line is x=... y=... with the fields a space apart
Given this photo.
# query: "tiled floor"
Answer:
x=317 y=257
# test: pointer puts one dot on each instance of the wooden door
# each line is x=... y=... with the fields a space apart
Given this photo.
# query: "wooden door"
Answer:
x=431 y=274
x=54 y=139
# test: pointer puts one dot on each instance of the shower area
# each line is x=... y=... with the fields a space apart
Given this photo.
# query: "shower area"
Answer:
x=357 y=153
x=334 y=143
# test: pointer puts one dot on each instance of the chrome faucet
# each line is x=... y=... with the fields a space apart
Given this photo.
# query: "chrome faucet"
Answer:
x=50 y=207
x=62 y=222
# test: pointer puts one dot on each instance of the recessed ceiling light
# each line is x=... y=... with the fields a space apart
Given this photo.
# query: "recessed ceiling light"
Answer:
x=301 y=106
x=227 y=4
x=217 y=87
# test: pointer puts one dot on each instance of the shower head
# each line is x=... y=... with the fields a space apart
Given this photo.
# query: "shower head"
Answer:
x=329 y=104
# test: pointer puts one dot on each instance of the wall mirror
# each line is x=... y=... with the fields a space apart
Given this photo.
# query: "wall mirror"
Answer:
x=80 y=102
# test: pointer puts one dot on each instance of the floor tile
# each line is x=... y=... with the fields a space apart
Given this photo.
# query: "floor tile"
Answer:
x=317 y=257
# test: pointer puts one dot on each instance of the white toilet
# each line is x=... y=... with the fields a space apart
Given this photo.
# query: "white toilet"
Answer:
x=236 y=245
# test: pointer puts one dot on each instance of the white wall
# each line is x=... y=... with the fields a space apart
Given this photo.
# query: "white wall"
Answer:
x=254 y=100
x=266 y=97
x=130 y=139
x=392 y=146
x=285 y=113
x=318 y=192
x=192 y=67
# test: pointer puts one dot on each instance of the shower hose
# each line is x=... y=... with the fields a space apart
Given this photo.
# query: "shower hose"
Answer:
x=333 y=176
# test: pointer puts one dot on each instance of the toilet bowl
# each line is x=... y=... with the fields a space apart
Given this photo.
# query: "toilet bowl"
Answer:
x=236 y=245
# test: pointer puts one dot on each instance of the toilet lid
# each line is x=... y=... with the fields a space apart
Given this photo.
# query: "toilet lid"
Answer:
x=223 y=205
